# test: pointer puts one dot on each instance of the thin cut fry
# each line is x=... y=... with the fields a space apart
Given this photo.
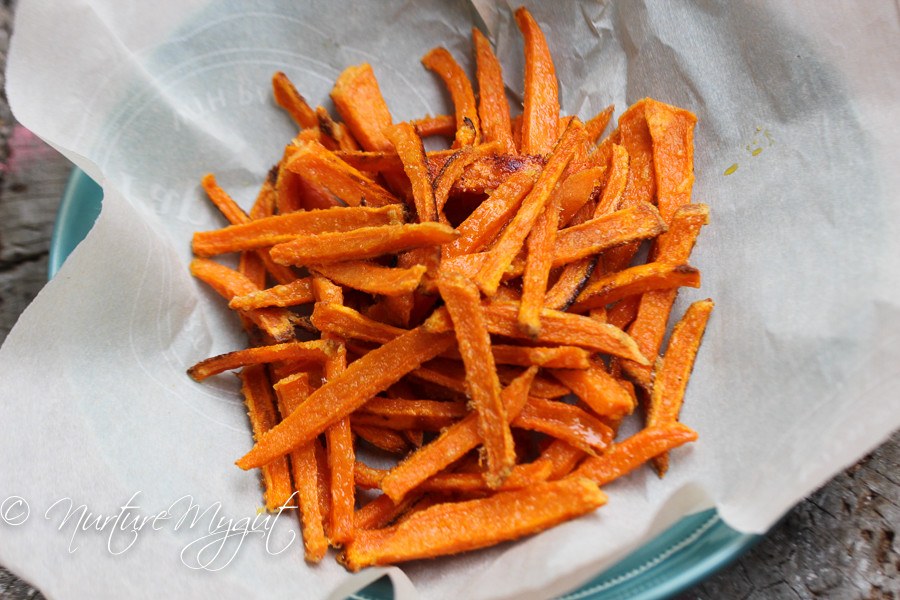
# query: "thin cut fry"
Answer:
x=260 y=403
x=463 y=302
x=281 y=228
x=297 y=292
x=468 y=129
x=675 y=368
x=636 y=280
x=631 y=453
x=566 y=422
x=288 y=98
x=362 y=243
x=316 y=163
x=315 y=351
x=540 y=114
x=493 y=109
x=291 y=392
x=373 y=278
x=474 y=523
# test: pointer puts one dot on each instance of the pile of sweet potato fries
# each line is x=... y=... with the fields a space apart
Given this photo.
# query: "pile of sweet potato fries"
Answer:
x=472 y=311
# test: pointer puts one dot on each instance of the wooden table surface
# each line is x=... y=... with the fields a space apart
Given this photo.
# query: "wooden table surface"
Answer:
x=840 y=543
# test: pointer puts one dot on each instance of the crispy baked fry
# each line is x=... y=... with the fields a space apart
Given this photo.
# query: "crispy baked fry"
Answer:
x=468 y=128
x=475 y=523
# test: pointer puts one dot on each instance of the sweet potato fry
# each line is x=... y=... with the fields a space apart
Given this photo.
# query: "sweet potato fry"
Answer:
x=281 y=228
x=474 y=523
x=358 y=100
x=629 y=454
x=260 y=403
x=463 y=302
x=372 y=278
x=337 y=398
x=408 y=146
x=596 y=125
x=297 y=292
x=521 y=476
x=540 y=114
x=314 y=162
x=468 y=128
x=229 y=284
x=428 y=126
x=564 y=329
x=675 y=368
x=598 y=389
x=348 y=323
x=493 y=109
x=606 y=231
x=486 y=221
x=291 y=392
x=430 y=415
x=576 y=191
x=566 y=422
x=315 y=351
x=360 y=244
x=540 y=247
x=563 y=457
x=288 y=98
x=635 y=280
x=672 y=131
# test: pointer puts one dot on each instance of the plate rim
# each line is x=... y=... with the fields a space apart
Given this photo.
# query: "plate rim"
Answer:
x=78 y=209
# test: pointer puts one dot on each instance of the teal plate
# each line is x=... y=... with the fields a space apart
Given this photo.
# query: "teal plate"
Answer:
x=689 y=551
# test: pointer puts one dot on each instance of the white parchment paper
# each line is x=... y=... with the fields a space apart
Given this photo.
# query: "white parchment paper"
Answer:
x=125 y=464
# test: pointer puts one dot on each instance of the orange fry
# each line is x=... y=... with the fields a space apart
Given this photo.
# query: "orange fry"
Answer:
x=223 y=201
x=372 y=278
x=288 y=98
x=486 y=221
x=598 y=389
x=649 y=325
x=362 y=243
x=672 y=131
x=629 y=454
x=408 y=146
x=358 y=100
x=281 y=228
x=468 y=129
x=291 y=392
x=260 y=403
x=675 y=368
x=635 y=280
x=315 y=351
x=566 y=422
x=474 y=523
x=493 y=109
x=453 y=443
x=540 y=114
x=606 y=231
x=229 y=284
x=564 y=329
x=317 y=164
x=437 y=125
x=520 y=476
x=463 y=302
x=540 y=246
x=430 y=415
x=297 y=292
